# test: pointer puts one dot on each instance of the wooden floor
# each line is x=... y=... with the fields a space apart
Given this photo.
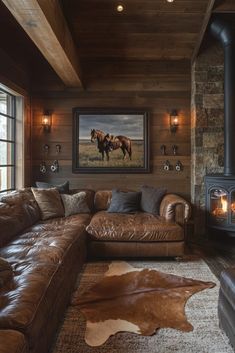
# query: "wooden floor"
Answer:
x=219 y=254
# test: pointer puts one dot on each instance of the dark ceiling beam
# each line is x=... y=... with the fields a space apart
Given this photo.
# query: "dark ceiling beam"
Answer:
x=206 y=20
x=225 y=6
x=45 y=24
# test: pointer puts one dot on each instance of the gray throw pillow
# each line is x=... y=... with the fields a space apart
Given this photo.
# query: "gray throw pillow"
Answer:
x=62 y=188
x=124 y=202
x=151 y=199
x=74 y=204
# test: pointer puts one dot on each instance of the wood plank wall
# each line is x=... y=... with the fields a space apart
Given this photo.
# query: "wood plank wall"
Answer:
x=157 y=86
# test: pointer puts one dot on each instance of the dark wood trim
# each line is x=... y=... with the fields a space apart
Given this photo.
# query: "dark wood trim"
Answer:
x=206 y=20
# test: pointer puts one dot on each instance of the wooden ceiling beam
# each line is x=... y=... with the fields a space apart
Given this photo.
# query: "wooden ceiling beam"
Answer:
x=206 y=20
x=226 y=6
x=45 y=24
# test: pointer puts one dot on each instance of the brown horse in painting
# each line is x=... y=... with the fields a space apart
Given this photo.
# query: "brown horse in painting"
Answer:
x=107 y=143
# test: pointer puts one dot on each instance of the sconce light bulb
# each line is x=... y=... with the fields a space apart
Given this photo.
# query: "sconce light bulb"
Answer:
x=176 y=120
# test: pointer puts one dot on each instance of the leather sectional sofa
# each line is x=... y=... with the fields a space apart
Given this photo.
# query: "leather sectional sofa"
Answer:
x=47 y=256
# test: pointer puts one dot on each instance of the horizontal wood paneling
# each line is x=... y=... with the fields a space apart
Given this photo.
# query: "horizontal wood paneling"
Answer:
x=110 y=90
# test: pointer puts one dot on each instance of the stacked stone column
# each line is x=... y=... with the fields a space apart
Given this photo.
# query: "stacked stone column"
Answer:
x=207 y=126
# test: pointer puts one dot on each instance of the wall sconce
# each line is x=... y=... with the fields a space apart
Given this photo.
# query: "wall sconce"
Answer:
x=174 y=121
x=46 y=121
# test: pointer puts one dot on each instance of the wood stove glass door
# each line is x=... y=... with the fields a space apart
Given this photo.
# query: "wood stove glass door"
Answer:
x=219 y=206
x=233 y=206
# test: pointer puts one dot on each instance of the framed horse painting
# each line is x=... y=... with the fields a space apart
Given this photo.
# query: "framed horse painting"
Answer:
x=110 y=141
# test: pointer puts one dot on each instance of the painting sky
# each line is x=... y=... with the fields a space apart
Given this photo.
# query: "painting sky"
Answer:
x=131 y=126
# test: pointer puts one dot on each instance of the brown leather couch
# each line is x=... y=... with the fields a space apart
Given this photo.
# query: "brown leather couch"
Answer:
x=47 y=256
x=140 y=234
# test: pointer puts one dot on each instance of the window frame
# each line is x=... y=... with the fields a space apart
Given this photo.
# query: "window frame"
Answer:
x=10 y=117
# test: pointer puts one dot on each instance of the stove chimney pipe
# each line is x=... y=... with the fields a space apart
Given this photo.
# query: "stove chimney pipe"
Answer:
x=225 y=33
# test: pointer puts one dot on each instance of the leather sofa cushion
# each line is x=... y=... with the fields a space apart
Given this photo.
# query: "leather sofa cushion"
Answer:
x=227 y=285
x=102 y=199
x=49 y=203
x=6 y=272
x=36 y=257
x=13 y=220
x=23 y=197
x=12 y=342
x=133 y=227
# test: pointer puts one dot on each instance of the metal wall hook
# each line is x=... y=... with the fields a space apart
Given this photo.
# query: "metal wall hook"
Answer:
x=166 y=166
x=55 y=166
x=179 y=166
x=163 y=149
x=58 y=148
x=43 y=167
x=174 y=149
x=46 y=148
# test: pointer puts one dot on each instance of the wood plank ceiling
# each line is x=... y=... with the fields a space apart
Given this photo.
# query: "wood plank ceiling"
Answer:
x=111 y=43
x=145 y=30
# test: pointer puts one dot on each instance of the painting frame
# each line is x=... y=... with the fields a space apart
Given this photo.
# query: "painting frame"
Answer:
x=78 y=113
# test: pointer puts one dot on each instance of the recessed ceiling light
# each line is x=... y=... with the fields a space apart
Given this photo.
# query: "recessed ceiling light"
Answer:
x=120 y=8
x=169 y=0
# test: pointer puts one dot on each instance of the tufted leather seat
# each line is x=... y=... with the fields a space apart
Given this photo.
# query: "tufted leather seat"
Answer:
x=43 y=258
x=140 y=234
x=139 y=226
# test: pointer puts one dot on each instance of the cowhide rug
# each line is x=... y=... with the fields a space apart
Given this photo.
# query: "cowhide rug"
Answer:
x=136 y=300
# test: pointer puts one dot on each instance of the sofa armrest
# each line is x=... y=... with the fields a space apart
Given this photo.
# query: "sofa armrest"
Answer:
x=174 y=208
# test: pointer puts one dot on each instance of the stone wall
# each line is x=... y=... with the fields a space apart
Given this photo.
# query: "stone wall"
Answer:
x=207 y=114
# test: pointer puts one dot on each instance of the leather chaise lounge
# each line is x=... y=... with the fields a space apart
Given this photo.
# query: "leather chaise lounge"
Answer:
x=46 y=257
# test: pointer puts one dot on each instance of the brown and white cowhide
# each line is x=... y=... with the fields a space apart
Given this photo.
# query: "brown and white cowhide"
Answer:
x=136 y=300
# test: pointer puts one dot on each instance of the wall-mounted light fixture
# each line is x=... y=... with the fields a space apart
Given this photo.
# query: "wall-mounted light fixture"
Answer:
x=46 y=121
x=174 y=121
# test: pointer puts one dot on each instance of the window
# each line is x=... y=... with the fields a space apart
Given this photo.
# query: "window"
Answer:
x=7 y=141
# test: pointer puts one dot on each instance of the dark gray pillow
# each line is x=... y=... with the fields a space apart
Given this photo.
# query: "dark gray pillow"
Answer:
x=62 y=188
x=151 y=199
x=124 y=202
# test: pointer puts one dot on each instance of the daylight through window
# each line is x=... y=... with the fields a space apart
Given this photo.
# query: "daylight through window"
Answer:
x=7 y=141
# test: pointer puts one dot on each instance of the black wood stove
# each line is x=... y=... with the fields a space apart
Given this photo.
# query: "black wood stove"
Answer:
x=220 y=188
x=220 y=202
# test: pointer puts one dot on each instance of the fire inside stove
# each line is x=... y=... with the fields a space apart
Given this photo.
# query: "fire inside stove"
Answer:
x=221 y=207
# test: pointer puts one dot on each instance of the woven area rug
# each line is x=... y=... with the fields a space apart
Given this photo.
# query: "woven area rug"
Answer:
x=201 y=311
